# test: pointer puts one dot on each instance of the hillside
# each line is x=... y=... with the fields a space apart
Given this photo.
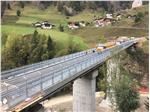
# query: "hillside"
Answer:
x=83 y=38
x=23 y=43
x=15 y=28
x=124 y=27
x=95 y=35
x=31 y=14
x=126 y=22
x=13 y=25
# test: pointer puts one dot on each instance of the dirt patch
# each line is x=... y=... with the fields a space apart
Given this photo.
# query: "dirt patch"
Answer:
x=64 y=104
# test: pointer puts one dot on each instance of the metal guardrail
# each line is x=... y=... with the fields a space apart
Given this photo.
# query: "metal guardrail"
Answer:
x=13 y=94
x=47 y=70
x=33 y=67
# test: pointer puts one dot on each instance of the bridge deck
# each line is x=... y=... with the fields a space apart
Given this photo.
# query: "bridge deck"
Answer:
x=49 y=78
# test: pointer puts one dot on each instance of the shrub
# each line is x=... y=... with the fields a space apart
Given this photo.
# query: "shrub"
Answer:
x=61 y=28
x=8 y=6
x=127 y=98
x=18 y=13
x=139 y=17
x=67 y=17
x=4 y=38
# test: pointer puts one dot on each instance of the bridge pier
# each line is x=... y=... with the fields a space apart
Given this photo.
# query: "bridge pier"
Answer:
x=84 y=93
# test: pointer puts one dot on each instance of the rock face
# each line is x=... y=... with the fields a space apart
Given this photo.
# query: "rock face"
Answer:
x=136 y=3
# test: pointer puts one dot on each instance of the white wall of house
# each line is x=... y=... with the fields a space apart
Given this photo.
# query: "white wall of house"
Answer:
x=136 y=3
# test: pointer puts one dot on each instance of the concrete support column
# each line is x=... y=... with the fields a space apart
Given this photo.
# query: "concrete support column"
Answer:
x=84 y=93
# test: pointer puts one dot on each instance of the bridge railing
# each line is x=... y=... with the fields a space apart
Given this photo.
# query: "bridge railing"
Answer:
x=31 y=68
x=29 y=88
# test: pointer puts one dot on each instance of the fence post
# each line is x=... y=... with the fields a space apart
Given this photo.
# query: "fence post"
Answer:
x=53 y=79
x=62 y=75
x=41 y=81
x=26 y=89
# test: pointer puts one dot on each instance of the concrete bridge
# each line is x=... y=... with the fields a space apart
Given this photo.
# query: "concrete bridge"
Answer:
x=25 y=86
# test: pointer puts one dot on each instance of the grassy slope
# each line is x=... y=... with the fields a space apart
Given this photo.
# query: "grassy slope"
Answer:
x=93 y=35
x=85 y=16
x=130 y=22
x=13 y=25
x=59 y=37
x=31 y=14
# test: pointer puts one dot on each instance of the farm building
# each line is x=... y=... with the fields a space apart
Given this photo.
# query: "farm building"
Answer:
x=103 y=22
x=73 y=25
x=43 y=25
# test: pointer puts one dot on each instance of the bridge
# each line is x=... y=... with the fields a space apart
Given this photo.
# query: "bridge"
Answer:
x=27 y=85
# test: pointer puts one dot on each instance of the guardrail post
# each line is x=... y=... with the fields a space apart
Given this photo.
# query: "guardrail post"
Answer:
x=8 y=98
x=53 y=79
x=41 y=82
x=62 y=75
x=81 y=66
x=26 y=87
x=69 y=72
x=23 y=69
x=75 y=68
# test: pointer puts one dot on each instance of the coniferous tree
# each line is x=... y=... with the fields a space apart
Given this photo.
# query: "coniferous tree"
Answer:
x=8 y=6
x=34 y=40
x=50 y=47
x=3 y=7
x=18 y=12
x=61 y=28
x=60 y=6
x=49 y=44
x=139 y=17
x=22 y=4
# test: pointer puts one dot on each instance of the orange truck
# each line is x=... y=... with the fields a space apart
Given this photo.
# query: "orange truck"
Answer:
x=101 y=47
x=110 y=44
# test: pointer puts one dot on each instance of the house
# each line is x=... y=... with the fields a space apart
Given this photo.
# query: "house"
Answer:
x=103 y=22
x=107 y=21
x=82 y=24
x=73 y=25
x=118 y=17
x=37 y=24
x=99 y=22
x=47 y=25
x=131 y=16
x=43 y=25
x=109 y=16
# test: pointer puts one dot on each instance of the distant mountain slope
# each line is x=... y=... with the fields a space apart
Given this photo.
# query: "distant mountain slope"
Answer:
x=143 y=11
x=124 y=27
